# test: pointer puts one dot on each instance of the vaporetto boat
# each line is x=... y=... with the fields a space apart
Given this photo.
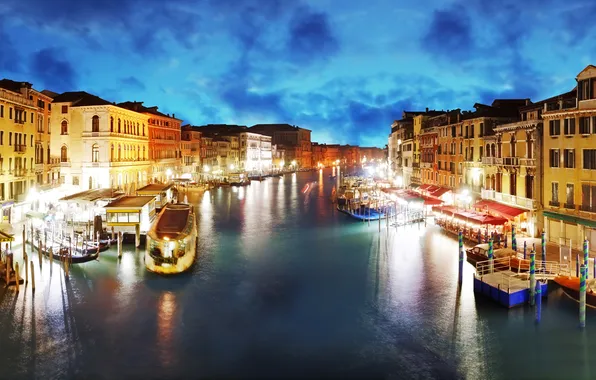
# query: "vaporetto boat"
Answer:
x=172 y=240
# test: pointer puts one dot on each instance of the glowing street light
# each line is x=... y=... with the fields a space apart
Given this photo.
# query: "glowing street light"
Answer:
x=232 y=167
x=294 y=163
x=169 y=173
x=206 y=169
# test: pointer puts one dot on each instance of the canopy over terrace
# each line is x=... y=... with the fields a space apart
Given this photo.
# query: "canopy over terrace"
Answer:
x=161 y=192
x=81 y=207
x=471 y=216
x=413 y=196
x=500 y=209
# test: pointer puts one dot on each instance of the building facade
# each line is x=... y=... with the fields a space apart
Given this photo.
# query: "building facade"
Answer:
x=569 y=161
x=98 y=144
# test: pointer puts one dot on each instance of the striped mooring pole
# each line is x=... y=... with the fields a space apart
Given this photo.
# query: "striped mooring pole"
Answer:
x=460 y=239
x=582 y=297
x=525 y=248
x=586 y=258
x=532 y=277
x=513 y=238
x=543 y=243
x=490 y=256
x=538 y=301
x=577 y=266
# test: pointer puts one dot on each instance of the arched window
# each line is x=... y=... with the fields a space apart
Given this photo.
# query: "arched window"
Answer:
x=144 y=156
x=112 y=152
x=64 y=127
x=95 y=124
x=119 y=152
x=138 y=129
x=119 y=125
x=95 y=153
x=64 y=154
x=138 y=152
x=143 y=129
x=111 y=124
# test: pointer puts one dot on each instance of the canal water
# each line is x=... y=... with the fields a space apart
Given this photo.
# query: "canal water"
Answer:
x=286 y=287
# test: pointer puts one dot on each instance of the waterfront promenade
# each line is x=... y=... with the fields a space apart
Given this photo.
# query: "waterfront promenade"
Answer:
x=286 y=287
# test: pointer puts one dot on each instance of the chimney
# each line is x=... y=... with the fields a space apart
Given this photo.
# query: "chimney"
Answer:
x=174 y=115
x=426 y=109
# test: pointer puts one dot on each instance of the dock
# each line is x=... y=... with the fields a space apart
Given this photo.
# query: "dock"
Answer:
x=503 y=281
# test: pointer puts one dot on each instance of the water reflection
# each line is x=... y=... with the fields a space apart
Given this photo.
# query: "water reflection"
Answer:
x=165 y=329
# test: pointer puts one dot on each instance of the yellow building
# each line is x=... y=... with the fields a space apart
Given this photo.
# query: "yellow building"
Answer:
x=98 y=144
x=569 y=160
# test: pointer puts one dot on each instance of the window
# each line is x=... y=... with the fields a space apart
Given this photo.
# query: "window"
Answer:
x=64 y=109
x=95 y=124
x=1 y=111
x=589 y=197
x=569 y=158
x=111 y=124
x=1 y=137
x=95 y=153
x=31 y=117
x=64 y=154
x=119 y=125
x=64 y=127
x=554 y=158
x=555 y=193
x=569 y=201
x=554 y=127
x=584 y=125
x=31 y=141
x=589 y=159
x=569 y=126
x=112 y=153
x=472 y=131
x=75 y=180
x=9 y=138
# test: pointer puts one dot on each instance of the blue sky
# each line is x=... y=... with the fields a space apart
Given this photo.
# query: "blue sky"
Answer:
x=343 y=68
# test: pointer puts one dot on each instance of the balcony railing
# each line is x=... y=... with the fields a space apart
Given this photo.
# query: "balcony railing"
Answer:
x=560 y=105
x=588 y=208
x=20 y=148
x=511 y=161
x=527 y=162
x=65 y=164
x=554 y=203
x=19 y=121
x=513 y=200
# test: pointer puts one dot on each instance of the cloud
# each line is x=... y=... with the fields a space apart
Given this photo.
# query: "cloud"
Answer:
x=53 y=70
x=449 y=34
x=133 y=83
x=310 y=36
x=10 y=58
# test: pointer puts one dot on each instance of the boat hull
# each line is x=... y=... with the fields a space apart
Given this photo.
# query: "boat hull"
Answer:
x=570 y=286
x=181 y=265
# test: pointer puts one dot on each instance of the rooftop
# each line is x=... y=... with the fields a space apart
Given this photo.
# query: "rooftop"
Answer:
x=12 y=85
x=130 y=201
x=93 y=195
x=139 y=107
x=80 y=99
x=154 y=188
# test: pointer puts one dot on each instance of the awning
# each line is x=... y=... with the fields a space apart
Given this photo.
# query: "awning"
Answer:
x=5 y=238
x=439 y=191
x=501 y=209
x=570 y=219
x=424 y=187
x=470 y=216
x=414 y=185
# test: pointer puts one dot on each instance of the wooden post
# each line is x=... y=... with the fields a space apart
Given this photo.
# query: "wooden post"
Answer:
x=16 y=277
x=24 y=242
x=8 y=268
x=137 y=235
x=119 y=244
x=32 y=277
x=39 y=251
x=25 y=264
x=66 y=268
x=97 y=234
x=51 y=255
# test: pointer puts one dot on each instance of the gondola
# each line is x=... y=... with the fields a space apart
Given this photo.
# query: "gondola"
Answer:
x=570 y=286
x=77 y=257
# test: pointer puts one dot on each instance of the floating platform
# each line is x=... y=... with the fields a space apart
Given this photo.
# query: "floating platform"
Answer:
x=365 y=215
x=506 y=287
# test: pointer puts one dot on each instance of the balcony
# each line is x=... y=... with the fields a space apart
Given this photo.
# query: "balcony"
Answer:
x=19 y=121
x=426 y=165
x=554 y=203
x=509 y=199
x=560 y=105
x=20 y=148
x=39 y=167
x=65 y=164
x=492 y=161
x=587 y=208
x=569 y=206
x=511 y=161
x=527 y=162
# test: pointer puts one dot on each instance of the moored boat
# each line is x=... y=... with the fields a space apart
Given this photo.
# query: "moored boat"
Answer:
x=480 y=253
x=172 y=240
x=570 y=286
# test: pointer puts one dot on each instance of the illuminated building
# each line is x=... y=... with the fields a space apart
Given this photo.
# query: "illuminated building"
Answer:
x=164 y=141
x=99 y=144
x=569 y=161
x=191 y=152
x=294 y=140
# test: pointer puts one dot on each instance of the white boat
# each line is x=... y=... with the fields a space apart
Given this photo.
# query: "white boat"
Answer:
x=172 y=240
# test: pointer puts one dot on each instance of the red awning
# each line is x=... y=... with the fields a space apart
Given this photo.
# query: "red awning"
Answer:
x=501 y=209
x=439 y=191
x=424 y=187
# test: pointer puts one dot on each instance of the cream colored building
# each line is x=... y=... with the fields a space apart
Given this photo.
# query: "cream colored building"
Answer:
x=98 y=144
x=569 y=160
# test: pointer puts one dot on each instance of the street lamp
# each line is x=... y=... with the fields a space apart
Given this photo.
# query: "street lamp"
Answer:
x=232 y=167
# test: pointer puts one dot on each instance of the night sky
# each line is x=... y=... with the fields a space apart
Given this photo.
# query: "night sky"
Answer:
x=343 y=68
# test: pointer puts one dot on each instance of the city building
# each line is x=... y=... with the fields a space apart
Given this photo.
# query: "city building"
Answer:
x=191 y=152
x=164 y=141
x=99 y=144
x=569 y=161
x=294 y=140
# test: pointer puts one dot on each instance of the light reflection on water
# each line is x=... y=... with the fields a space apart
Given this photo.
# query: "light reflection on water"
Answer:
x=283 y=288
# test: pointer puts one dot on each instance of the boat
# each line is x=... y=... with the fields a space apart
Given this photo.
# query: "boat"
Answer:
x=480 y=253
x=172 y=240
x=570 y=286
x=77 y=255
x=238 y=180
x=365 y=214
x=256 y=178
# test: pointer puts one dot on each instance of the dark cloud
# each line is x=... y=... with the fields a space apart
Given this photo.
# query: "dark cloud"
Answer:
x=10 y=58
x=310 y=36
x=133 y=83
x=449 y=34
x=53 y=70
